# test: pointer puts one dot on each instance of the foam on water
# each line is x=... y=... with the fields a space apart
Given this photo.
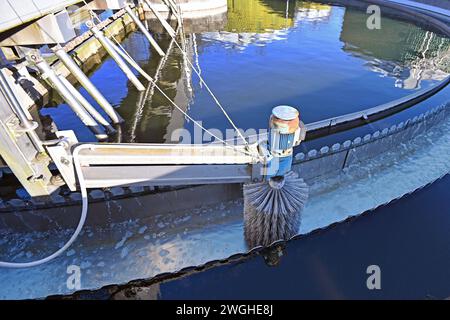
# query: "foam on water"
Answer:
x=142 y=249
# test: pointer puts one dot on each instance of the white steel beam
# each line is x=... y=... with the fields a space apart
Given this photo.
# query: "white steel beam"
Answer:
x=165 y=154
x=14 y=13
x=53 y=28
x=102 y=177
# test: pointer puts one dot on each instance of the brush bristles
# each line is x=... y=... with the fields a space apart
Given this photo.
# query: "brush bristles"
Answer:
x=273 y=214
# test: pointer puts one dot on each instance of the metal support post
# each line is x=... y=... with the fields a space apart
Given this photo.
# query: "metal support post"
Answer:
x=164 y=23
x=20 y=149
x=89 y=108
x=113 y=53
x=26 y=125
x=87 y=84
x=49 y=75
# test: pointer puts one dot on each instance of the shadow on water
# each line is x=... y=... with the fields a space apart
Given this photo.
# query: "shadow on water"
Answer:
x=149 y=115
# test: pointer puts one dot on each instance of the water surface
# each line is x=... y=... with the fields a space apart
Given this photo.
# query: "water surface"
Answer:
x=319 y=58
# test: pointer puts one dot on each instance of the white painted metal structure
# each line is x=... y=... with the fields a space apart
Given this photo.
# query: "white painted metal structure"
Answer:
x=14 y=13
x=110 y=165
x=48 y=23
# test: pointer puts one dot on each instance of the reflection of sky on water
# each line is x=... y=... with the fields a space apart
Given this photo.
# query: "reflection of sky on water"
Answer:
x=308 y=65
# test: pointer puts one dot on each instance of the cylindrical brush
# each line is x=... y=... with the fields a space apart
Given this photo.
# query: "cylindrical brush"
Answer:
x=272 y=209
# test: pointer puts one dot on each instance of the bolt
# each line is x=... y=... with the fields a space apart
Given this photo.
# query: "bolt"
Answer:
x=64 y=161
x=64 y=143
x=57 y=180
x=41 y=156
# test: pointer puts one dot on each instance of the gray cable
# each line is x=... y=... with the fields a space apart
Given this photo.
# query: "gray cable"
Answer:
x=75 y=235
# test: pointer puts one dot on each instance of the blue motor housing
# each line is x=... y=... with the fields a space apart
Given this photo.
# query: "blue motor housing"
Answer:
x=278 y=166
x=281 y=142
x=284 y=134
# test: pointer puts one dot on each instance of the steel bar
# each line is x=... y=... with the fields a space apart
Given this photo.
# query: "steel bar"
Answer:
x=171 y=5
x=87 y=84
x=52 y=78
x=89 y=108
x=141 y=154
x=117 y=58
x=130 y=60
x=141 y=27
x=26 y=124
x=20 y=155
x=164 y=23
x=100 y=177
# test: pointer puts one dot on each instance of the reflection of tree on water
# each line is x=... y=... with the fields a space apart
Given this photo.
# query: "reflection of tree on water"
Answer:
x=255 y=22
x=260 y=22
x=399 y=50
x=259 y=16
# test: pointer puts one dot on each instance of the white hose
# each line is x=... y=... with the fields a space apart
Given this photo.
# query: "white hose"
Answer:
x=75 y=235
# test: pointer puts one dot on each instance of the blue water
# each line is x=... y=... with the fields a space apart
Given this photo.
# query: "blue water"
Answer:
x=322 y=60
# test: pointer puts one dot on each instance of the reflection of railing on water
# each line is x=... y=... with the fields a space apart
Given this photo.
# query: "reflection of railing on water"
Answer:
x=147 y=95
x=178 y=87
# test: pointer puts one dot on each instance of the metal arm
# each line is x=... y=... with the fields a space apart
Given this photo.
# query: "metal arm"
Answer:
x=110 y=165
